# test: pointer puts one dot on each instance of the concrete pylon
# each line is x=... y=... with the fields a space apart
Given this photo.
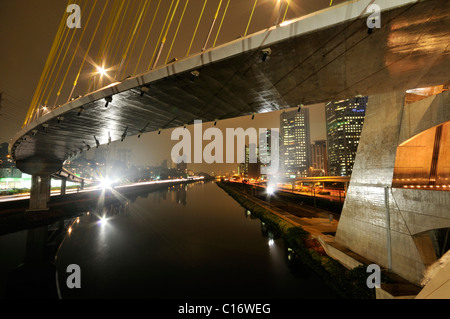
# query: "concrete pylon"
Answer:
x=63 y=185
x=40 y=168
x=362 y=225
x=40 y=192
x=391 y=226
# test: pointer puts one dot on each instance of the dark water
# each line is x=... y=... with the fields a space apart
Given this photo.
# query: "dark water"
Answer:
x=184 y=242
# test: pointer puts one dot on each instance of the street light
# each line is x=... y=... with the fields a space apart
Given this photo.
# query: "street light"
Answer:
x=96 y=142
x=144 y=89
x=101 y=70
x=124 y=134
x=108 y=100
x=265 y=53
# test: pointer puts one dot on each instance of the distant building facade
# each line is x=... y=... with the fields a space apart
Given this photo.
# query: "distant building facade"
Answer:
x=251 y=167
x=181 y=166
x=319 y=160
x=295 y=145
x=344 y=122
x=265 y=151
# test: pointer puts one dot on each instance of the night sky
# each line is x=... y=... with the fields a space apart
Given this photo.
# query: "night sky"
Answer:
x=28 y=29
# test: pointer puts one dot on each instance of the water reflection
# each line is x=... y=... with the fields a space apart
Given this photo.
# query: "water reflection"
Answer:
x=34 y=277
x=175 y=194
x=124 y=244
x=276 y=244
x=280 y=252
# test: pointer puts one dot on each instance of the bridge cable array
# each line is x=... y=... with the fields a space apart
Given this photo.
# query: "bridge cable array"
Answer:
x=51 y=55
x=121 y=35
x=87 y=51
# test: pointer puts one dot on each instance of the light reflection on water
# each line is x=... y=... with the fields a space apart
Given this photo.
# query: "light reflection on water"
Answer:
x=188 y=241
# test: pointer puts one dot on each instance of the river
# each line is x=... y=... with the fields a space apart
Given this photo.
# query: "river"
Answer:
x=186 y=241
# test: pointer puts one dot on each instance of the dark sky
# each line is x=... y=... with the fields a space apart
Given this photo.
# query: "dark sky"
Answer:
x=28 y=29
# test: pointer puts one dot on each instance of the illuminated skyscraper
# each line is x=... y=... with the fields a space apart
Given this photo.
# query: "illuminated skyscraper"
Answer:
x=345 y=120
x=265 y=144
x=319 y=159
x=295 y=145
x=252 y=165
x=265 y=151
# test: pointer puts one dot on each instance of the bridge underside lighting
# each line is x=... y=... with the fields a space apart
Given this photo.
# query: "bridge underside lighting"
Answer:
x=101 y=70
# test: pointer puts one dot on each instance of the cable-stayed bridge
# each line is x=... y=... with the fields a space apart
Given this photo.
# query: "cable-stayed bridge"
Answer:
x=326 y=55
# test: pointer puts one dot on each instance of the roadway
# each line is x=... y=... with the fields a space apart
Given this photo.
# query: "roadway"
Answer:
x=10 y=198
x=334 y=196
x=294 y=202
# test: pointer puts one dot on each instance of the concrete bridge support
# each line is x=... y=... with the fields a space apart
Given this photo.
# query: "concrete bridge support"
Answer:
x=393 y=227
x=40 y=192
x=63 y=185
x=40 y=170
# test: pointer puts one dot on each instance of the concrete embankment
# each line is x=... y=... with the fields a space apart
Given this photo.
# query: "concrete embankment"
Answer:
x=325 y=252
x=301 y=237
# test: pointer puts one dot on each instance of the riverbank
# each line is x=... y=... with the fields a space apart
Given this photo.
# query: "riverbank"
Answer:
x=349 y=284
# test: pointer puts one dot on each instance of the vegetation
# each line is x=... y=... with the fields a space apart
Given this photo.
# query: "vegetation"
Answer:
x=15 y=191
x=349 y=284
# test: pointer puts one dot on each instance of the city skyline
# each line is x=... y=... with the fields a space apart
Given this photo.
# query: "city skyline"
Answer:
x=163 y=144
x=318 y=141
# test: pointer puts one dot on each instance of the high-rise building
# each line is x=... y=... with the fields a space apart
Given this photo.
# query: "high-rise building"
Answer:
x=265 y=151
x=295 y=148
x=319 y=162
x=265 y=144
x=345 y=120
x=252 y=165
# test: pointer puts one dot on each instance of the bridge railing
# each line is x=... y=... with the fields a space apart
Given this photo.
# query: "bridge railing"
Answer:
x=104 y=41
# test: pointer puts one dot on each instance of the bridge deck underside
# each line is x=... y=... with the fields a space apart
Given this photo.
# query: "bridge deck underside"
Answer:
x=410 y=50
